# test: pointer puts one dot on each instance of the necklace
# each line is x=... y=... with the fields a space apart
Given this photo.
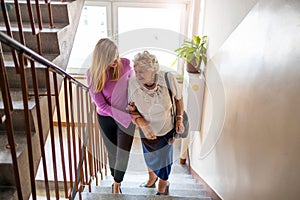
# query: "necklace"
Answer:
x=149 y=86
x=151 y=92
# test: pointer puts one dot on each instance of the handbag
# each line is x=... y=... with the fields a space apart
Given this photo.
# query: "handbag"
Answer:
x=185 y=116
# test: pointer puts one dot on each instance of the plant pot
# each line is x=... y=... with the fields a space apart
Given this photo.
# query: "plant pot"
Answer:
x=192 y=68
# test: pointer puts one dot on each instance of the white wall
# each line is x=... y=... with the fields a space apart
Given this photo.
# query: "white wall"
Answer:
x=220 y=18
x=251 y=115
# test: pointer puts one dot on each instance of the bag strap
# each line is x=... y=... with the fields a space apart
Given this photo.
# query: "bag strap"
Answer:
x=170 y=93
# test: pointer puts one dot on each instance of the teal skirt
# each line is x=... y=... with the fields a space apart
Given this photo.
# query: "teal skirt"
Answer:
x=158 y=154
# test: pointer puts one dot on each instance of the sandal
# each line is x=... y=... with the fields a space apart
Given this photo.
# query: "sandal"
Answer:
x=149 y=186
x=166 y=192
x=112 y=189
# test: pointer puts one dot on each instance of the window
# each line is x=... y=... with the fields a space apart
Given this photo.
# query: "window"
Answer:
x=135 y=26
x=92 y=26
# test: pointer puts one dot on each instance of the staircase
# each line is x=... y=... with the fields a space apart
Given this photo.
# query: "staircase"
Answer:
x=182 y=185
x=57 y=30
x=53 y=40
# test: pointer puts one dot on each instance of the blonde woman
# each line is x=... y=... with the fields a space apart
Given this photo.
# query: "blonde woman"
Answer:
x=108 y=79
x=148 y=93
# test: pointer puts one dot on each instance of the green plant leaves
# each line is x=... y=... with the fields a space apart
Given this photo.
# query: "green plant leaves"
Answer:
x=194 y=49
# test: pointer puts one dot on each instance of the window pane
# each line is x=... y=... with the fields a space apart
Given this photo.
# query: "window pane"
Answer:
x=130 y=18
x=166 y=18
x=163 y=57
x=92 y=26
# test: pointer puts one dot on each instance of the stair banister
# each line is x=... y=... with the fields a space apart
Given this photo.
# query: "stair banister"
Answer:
x=89 y=162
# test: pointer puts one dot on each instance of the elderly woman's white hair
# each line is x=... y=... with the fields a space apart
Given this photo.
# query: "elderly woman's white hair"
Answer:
x=147 y=61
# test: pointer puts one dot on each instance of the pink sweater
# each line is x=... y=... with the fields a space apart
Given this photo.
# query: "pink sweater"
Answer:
x=112 y=100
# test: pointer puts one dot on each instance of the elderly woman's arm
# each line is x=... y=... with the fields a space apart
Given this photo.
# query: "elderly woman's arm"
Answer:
x=140 y=121
x=179 y=115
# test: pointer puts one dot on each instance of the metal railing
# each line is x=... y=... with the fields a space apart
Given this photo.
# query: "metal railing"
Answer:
x=79 y=144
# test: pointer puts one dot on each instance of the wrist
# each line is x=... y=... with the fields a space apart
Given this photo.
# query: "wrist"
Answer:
x=179 y=118
x=142 y=122
x=136 y=120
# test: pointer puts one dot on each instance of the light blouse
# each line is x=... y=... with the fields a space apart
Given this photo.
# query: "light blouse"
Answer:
x=155 y=104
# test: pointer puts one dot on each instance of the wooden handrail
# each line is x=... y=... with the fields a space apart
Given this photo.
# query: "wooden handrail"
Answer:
x=86 y=155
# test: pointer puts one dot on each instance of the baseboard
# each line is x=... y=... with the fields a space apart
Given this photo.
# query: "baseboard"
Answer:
x=64 y=124
x=209 y=191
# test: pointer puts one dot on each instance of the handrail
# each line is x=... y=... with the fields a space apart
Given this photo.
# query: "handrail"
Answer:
x=85 y=149
x=21 y=48
x=78 y=152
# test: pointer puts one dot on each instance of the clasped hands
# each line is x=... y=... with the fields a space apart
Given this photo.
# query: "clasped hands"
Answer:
x=139 y=121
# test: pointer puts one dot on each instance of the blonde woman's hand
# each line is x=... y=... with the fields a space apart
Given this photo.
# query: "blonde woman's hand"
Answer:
x=131 y=107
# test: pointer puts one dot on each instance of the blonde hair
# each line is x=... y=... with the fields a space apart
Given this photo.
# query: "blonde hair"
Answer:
x=105 y=53
x=147 y=61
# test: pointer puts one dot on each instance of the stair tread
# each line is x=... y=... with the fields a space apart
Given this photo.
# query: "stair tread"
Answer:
x=5 y=154
x=42 y=1
x=18 y=102
x=183 y=178
x=135 y=184
x=8 y=193
x=151 y=191
x=27 y=28
x=8 y=59
x=92 y=196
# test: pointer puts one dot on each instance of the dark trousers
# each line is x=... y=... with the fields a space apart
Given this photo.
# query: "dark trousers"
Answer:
x=118 y=142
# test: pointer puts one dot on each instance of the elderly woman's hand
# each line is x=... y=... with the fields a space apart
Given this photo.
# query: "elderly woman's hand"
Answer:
x=148 y=132
x=145 y=126
x=179 y=126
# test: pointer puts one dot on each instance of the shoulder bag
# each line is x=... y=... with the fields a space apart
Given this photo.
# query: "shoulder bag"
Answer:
x=185 y=116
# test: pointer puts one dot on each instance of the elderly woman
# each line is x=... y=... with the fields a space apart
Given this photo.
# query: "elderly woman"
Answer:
x=148 y=93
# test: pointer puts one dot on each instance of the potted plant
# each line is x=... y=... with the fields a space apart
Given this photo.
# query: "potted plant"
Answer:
x=194 y=52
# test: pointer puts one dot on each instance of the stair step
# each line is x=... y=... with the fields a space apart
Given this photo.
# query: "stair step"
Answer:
x=93 y=196
x=150 y=191
x=180 y=178
x=8 y=193
x=18 y=116
x=59 y=11
x=26 y=27
x=14 y=79
x=6 y=166
x=49 y=38
x=8 y=59
x=135 y=184
x=5 y=155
